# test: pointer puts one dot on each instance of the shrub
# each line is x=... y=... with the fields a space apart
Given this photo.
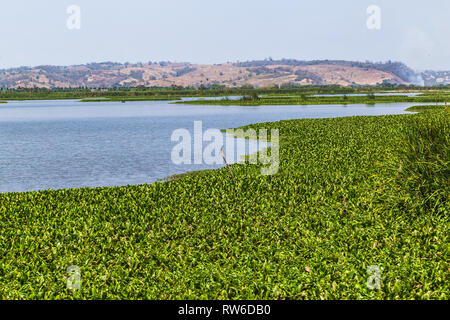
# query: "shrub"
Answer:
x=426 y=156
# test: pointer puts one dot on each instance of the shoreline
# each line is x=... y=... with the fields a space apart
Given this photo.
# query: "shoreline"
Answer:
x=177 y=176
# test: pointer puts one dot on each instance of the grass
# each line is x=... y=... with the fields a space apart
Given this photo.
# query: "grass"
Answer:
x=109 y=95
x=203 y=91
x=149 y=98
x=427 y=157
x=309 y=100
x=436 y=93
x=342 y=201
x=427 y=108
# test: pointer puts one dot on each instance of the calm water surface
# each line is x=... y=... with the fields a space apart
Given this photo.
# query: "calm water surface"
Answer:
x=67 y=144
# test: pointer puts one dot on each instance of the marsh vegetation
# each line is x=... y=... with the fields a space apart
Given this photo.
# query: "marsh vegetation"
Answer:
x=351 y=192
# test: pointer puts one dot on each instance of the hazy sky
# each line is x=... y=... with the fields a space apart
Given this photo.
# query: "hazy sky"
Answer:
x=211 y=31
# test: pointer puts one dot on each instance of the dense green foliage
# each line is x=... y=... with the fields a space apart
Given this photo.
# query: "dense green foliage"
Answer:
x=343 y=200
x=202 y=91
x=59 y=95
x=427 y=157
x=254 y=100
x=148 y=98
x=426 y=108
x=436 y=93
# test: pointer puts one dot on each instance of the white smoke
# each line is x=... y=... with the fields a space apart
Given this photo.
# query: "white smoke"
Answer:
x=417 y=80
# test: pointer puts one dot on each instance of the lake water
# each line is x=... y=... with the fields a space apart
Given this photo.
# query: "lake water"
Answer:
x=67 y=144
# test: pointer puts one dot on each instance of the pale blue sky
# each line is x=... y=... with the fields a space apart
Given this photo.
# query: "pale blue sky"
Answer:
x=210 y=31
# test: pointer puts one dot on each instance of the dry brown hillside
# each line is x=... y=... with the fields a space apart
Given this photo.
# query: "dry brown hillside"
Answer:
x=163 y=74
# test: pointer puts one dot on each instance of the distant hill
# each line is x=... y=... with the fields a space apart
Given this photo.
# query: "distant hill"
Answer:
x=431 y=78
x=262 y=73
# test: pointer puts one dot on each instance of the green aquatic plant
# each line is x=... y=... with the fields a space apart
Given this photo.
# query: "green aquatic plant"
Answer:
x=426 y=160
x=427 y=108
x=341 y=202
